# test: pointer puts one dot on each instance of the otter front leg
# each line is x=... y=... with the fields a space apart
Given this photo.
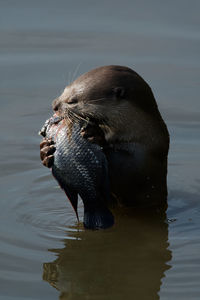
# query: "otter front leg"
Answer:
x=47 y=150
x=93 y=133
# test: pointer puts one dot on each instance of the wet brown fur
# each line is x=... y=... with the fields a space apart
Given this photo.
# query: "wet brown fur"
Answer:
x=124 y=107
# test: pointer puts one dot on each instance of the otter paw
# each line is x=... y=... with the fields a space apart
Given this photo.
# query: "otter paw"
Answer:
x=47 y=149
x=93 y=134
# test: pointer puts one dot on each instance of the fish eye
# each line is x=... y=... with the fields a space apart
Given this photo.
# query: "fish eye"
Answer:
x=72 y=101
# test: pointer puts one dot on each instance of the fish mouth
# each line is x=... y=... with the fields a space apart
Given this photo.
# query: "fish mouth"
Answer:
x=51 y=121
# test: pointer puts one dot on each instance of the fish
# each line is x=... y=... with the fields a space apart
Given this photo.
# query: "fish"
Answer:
x=81 y=168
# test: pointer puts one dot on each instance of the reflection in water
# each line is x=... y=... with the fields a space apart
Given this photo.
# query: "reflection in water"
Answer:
x=127 y=261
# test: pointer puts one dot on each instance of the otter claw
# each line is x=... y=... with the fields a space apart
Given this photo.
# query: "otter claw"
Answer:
x=47 y=149
x=93 y=133
x=48 y=161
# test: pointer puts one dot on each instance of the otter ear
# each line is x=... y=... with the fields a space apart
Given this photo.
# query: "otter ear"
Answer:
x=119 y=92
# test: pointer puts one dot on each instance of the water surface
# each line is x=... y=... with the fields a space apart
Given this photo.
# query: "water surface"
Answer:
x=43 y=254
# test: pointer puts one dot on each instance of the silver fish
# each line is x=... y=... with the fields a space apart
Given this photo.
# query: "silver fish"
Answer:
x=80 y=167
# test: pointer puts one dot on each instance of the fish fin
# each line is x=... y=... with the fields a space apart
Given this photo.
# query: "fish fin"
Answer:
x=70 y=193
x=73 y=198
x=98 y=219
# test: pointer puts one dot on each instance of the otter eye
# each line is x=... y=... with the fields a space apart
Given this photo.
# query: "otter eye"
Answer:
x=72 y=101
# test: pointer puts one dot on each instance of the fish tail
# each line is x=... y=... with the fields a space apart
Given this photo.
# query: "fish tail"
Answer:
x=100 y=218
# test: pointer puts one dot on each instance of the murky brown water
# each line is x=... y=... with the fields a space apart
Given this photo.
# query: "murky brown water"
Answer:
x=43 y=255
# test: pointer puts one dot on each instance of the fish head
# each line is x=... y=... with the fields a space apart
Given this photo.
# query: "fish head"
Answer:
x=51 y=126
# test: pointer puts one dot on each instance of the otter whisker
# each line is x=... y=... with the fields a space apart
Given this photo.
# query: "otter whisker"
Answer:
x=75 y=117
x=76 y=71
x=72 y=117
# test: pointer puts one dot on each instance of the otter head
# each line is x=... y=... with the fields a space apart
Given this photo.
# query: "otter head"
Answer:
x=117 y=98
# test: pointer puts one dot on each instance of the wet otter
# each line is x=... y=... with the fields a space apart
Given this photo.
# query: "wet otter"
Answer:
x=125 y=121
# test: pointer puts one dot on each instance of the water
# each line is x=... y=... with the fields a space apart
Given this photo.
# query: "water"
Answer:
x=43 y=46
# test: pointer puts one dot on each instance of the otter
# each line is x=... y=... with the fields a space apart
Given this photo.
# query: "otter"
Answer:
x=123 y=118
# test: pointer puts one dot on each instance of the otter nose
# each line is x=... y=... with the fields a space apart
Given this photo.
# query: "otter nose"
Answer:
x=56 y=104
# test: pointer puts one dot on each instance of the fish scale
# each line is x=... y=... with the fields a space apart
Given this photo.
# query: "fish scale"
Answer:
x=80 y=167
